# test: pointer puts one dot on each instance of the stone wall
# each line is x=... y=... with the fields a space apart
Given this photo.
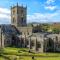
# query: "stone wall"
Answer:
x=25 y=30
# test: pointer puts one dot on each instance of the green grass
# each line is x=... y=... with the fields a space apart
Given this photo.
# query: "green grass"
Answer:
x=30 y=58
x=17 y=53
x=1 y=58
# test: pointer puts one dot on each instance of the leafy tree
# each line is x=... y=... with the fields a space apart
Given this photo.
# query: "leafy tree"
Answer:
x=55 y=30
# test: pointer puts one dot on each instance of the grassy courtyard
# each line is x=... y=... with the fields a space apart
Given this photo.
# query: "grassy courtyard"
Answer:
x=23 y=54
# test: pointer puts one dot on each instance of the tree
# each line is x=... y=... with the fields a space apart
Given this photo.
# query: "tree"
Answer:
x=55 y=30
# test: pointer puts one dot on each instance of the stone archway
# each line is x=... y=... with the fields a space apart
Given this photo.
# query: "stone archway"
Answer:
x=38 y=45
x=50 y=45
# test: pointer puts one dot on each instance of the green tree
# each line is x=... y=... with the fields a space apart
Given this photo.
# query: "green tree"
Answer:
x=55 y=30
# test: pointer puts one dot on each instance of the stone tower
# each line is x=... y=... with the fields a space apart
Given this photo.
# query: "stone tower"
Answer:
x=18 y=15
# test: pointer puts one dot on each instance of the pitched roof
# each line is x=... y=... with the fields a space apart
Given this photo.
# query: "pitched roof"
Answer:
x=9 y=29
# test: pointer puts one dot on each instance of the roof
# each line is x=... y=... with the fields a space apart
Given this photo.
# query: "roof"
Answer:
x=9 y=29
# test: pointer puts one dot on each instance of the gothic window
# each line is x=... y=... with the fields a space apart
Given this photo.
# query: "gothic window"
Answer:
x=13 y=11
x=13 y=20
x=50 y=42
x=8 y=41
x=56 y=39
x=28 y=33
x=32 y=43
x=27 y=42
x=58 y=45
x=22 y=20
x=38 y=45
x=21 y=11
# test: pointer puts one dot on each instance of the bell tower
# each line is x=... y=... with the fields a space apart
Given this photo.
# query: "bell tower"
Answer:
x=18 y=15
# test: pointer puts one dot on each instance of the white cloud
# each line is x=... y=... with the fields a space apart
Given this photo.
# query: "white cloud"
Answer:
x=4 y=11
x=44 y=17
x=50 y=7
x=36 y=17
x=4 y=15
x=50 y=1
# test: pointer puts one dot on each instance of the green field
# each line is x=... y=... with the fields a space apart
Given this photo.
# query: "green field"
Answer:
x=23 y=54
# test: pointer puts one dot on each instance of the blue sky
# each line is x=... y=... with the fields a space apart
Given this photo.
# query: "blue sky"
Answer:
x=37 y=10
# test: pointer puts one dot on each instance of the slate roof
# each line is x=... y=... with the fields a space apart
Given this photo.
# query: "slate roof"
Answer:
x=9 y=29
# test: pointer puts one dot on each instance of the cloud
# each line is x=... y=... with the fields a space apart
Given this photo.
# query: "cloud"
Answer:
x=50 y=1
x=4 y=15
x=50 y=7
x=35 y=17
x=4 y=11
x=44 y=17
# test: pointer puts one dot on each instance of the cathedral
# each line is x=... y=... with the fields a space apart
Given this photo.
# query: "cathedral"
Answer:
x=19 y=35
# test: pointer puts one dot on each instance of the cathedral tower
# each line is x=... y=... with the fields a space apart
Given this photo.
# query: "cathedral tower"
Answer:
x=18 y=15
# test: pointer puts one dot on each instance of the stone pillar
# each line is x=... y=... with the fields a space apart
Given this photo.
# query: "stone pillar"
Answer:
x=36 y=44
x=54 y=44
x=30 y=43
x=0 y=43
x=24 y=41
x=20 y=41
x=2 y=40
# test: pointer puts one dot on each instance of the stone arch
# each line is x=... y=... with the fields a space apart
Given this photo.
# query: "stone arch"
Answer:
x=50 y=45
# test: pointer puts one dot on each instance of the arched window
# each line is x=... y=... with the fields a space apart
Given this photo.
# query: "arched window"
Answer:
x=13 y=12
x=13 y=20
x=32 y=43
x=38 y=45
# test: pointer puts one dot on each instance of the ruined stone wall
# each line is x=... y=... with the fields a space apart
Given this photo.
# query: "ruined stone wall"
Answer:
x=25 y=30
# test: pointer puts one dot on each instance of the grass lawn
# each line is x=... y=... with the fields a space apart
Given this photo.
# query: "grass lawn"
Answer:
x=1 y=58
x=30 y=58
x=23 y=54
x=42 y=58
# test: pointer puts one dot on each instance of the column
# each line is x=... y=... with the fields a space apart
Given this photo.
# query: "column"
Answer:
x=36 y=44
x=30 y=43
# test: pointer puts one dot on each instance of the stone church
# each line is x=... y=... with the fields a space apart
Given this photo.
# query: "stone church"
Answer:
x=19 y=35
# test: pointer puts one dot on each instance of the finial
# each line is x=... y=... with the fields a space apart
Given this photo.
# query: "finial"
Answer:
x=17 y=3
x=11 y=7
x=26 y=6
x=22 y=5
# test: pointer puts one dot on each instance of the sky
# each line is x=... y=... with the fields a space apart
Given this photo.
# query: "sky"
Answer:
x=42 y=11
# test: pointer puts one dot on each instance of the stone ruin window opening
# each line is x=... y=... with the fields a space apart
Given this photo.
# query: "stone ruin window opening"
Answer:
x=38 y=45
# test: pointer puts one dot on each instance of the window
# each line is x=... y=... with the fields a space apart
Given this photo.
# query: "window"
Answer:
x=28 y=33
x=22 y=20
x=13 y=20
x=56 y=39
x=21 y=11
x=32 y=43
x=27 y=42
x=58 y=45
x=13 y=11
x=38 y=45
